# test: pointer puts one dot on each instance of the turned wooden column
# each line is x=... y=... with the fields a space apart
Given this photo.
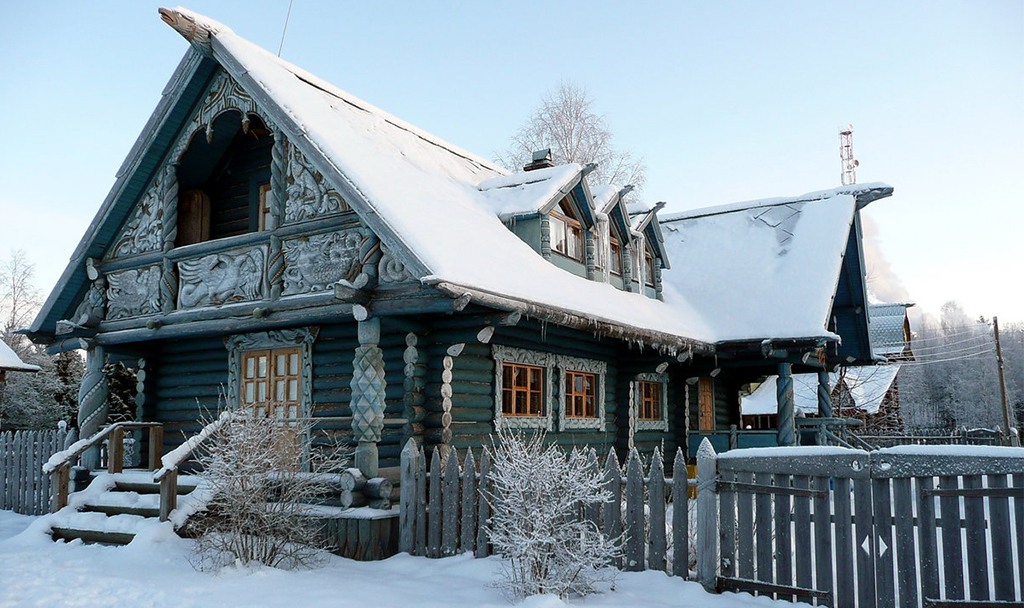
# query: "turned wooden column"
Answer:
x=92 y=402
x=787 y=415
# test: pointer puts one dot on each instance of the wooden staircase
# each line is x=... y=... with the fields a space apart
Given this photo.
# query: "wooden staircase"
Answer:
x=114 y=508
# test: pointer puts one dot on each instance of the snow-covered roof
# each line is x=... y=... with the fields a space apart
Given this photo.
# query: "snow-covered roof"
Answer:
x=11 y=362
x=766 y=268
x=867 y=387
x=422 y=196
x=529 y=191
x=887 y=328
x=604 y=196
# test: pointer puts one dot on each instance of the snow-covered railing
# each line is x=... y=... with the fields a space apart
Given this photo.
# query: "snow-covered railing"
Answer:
x=167 y=476
x=61 y=462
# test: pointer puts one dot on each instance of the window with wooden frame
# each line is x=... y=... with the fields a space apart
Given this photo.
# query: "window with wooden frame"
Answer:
x=615 y=264
x=648 y=267
x=522 y=390
x=580 y=394
x=271 y=382
x=650 y=400
x=264 y=213
x=706 y=400
x=566 y=231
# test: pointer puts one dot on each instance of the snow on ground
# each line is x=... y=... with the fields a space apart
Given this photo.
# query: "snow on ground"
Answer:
x=154 y=572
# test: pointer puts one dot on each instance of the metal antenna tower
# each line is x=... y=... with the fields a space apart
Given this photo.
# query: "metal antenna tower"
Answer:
x=849 y=163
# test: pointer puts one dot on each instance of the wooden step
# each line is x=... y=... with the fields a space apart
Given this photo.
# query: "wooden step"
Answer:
x=147 y=487
x=123 y=510
x=92 y=536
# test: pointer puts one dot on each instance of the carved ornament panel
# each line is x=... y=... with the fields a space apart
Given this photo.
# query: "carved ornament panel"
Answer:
x=309 y=196
x=314 y=263
x=223 y=278
x=144 y=229
x=133 y=293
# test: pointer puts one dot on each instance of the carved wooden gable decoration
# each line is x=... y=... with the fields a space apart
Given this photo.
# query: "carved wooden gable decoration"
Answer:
x=307 y=241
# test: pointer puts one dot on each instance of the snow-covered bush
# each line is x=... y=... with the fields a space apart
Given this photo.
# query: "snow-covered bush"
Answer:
x=537 y=498
x=259 y=510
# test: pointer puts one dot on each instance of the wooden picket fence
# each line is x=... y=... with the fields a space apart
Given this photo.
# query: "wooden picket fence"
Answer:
x=910 y=526
x=444 y=508
x=24 y=488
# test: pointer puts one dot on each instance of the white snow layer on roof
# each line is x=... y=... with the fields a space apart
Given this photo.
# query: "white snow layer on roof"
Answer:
x=603 y=195
x=528 y=191
x=9 y=361
x=867 y=386
x=852 y=189
x=426 y=191
x=760 y=271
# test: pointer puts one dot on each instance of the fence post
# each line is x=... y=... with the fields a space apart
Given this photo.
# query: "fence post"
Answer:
x=707 y=516
x=680 y=517
x=407 y=504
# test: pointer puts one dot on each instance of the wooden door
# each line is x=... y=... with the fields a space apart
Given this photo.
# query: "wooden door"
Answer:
x=271 y=386
x=706 y=399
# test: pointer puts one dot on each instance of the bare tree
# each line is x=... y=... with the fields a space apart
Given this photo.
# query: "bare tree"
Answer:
x=19 y=298
x=566 y=122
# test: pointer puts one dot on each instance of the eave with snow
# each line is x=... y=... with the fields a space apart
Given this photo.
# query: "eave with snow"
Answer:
x=266 y=213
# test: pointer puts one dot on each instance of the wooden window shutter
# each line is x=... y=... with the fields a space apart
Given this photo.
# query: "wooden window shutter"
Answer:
x=193 y=218
x=707 y=403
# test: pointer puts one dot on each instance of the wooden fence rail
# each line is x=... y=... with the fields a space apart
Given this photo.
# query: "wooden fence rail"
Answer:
x=24 y=488
x=445 y=508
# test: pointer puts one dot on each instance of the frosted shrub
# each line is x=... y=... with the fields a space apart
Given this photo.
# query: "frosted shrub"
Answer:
x=537 y=497
x=260 y=496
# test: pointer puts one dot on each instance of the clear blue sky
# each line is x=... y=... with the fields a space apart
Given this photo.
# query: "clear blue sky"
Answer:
x=726 y=101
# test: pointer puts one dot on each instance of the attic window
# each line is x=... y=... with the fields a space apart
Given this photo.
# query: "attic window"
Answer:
x=648 y=267
x=616 y=261
x=566 y=231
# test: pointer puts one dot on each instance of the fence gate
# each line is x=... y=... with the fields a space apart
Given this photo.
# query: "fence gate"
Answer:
x=911 y=526
x=23 y=486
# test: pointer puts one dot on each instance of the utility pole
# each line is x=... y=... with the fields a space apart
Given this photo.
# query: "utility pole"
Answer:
x=1002 y=381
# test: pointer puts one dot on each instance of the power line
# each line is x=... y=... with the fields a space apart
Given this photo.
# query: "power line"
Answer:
x=284 y=30
x=942 y=353
x=961 y=358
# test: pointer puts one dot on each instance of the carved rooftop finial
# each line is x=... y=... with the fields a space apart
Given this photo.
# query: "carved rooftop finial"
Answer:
x=195 y=28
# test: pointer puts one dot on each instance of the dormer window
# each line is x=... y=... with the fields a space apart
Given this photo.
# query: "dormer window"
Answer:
x=566 y=231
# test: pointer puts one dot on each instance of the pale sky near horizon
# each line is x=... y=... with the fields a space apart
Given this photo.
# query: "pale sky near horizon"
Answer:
x=726 y=101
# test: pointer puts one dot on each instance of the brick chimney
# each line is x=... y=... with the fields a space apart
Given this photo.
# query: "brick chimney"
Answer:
x=541 y=160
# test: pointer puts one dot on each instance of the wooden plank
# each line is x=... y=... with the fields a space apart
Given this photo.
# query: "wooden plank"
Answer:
x=1018 y=518
x=927 y=541
x=745 y=528
x=977 y=559
x=407 y=499
x=634 y=513
x=707 y=517
x=727 y=526
x=783 y=536
x=680 y=517
x=469 y=497
x=749 y=586
x=4 y=468
x=763 y=530
x=844 y=544
x=16 y=498
x=1002 y=550
x=952 y=551
x=483 y=547
x=906 y=557
x=864 y=541
x=885 y=582
x=611 y=514
x=848 y=463
x=802 y=537
x=450 y=505
x=421 y=503
x=592 y=511
x=931 y=465
x=434 y=506
x=656 y=541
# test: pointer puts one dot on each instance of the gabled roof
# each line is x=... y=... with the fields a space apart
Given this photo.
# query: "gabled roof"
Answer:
x=608 y=199
x=767 y=268
x=417 y=192
x=11 y=362
x=529 y=192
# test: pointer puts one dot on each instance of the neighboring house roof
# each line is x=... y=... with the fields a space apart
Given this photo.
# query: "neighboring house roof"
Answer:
x=11 y=362
x=768 y=268
x=888 y=328
x=866 y=385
